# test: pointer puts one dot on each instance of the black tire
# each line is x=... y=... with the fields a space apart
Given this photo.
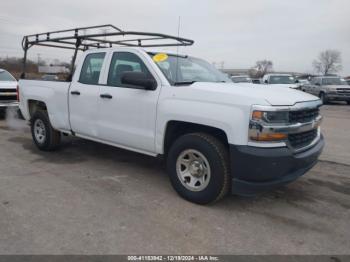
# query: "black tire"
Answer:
x=218 y=158
x=52 y=138
x=323 y=98
x=348 y=102
x=2 y=113
x=19 y=114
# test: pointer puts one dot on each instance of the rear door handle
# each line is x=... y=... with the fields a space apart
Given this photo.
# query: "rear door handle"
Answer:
x=108 y=96
x=77 y=93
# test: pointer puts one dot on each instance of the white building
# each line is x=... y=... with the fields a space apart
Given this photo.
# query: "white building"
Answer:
x=53 y=69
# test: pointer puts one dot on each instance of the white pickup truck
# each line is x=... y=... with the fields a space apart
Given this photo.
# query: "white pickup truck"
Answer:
x=216 y=136
x=281 y=80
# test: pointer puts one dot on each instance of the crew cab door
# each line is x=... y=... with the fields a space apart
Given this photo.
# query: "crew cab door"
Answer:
x=127 y=116
x=84 y=94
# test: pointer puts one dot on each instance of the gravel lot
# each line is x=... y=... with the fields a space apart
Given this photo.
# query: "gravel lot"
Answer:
x=90 y=198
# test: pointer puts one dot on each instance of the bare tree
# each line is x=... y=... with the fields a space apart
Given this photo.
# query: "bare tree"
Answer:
x=261 y=68
x=328 y=61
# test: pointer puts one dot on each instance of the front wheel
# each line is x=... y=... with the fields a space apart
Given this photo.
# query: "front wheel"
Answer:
x=323 y=98
x=198 y=167
x=44 y=136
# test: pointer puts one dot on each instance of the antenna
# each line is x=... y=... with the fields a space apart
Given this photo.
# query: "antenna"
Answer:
x=177 y=49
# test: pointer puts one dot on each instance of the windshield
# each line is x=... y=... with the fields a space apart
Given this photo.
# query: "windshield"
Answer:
x=241 y=79
x=6 y=76
x=282 y=80
x=189 y=70
x=333 y=81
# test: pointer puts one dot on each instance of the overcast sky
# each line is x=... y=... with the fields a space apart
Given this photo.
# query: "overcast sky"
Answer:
x=290 y=33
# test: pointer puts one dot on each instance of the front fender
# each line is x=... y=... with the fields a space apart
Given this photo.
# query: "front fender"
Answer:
x=232 y=120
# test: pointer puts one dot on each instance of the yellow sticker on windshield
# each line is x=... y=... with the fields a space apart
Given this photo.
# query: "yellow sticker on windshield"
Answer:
x=160 y=57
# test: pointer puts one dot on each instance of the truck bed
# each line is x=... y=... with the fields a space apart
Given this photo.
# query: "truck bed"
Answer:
x=55 y=96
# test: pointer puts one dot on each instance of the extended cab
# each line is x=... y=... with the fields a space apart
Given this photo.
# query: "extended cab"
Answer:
x=216 y=136
x=329 y=88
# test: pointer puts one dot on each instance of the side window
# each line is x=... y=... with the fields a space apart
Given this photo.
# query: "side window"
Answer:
x=315 y=80
x=327 y=81
x=91 y=69
x=124 y=62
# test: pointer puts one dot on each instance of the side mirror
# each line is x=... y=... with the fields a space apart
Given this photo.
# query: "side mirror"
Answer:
x=138 y=80
x=266 y=82
x=297 y=81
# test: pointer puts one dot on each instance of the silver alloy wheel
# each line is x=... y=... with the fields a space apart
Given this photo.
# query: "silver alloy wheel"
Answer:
x=39 y=131
x=193 y=170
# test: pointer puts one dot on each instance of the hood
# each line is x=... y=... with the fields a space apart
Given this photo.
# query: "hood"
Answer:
x=294 y=86
x=8 y=84
x=249 y=93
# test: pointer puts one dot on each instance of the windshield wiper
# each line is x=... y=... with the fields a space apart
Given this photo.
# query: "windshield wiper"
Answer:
x=184 y=83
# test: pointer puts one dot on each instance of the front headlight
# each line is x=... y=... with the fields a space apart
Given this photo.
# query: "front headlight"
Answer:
x=331 y=91
x=260 y=119
x=281 y=117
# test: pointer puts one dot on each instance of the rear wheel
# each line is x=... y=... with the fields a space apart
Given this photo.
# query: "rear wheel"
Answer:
x=198 y=167
x=44 y=136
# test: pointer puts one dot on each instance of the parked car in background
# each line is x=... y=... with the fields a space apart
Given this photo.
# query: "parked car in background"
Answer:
x=329 y=88
x=344 y=81
x=302 y=82
x=256 y=80
x=49 y=77
x=241 y=79
x=281 y=80
x=8 y=91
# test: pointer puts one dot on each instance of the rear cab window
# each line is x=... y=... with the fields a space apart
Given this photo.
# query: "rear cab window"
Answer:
x=91 y=69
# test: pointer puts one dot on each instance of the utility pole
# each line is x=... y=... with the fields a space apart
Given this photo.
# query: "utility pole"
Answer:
x=222 y=64
x=38 y=58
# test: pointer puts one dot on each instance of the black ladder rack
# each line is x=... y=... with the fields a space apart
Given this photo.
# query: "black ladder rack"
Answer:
x=101 y=36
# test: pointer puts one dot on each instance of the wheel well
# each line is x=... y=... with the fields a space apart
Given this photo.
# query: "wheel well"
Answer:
x=35 y=105
x=175 y=129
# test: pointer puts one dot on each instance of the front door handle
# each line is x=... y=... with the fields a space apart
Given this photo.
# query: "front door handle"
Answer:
x=77 y=93
x=108 y=96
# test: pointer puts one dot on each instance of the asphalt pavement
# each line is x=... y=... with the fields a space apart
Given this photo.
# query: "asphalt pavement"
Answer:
x=89 y=198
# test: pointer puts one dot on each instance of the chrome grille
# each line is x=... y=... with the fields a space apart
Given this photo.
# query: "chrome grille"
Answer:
x=303 y=139
x=303 y=116
x=343 y=91
x=8 y=94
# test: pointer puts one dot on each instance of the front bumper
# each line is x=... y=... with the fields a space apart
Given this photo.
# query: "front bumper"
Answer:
x=338 y=97
x=4 y=104
x=255 y=170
